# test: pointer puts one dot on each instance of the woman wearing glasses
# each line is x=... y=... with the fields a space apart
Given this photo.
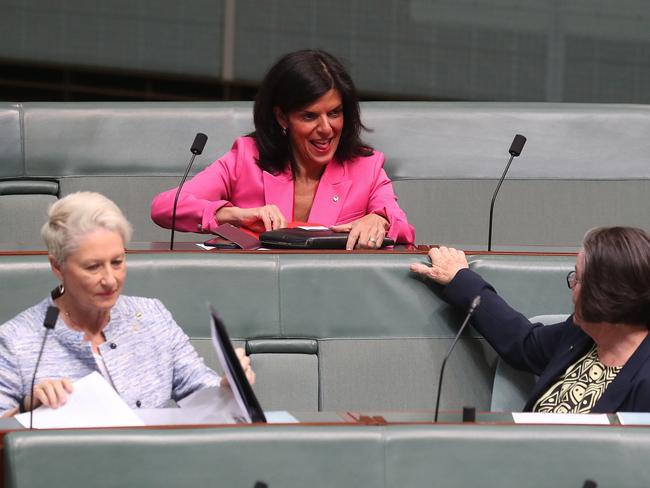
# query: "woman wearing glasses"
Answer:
x=598 y=360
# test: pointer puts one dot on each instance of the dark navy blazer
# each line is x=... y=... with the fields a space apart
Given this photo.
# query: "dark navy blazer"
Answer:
x=547 y=351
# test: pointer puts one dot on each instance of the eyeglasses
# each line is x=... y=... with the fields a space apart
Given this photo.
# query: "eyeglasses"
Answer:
x=571 y=279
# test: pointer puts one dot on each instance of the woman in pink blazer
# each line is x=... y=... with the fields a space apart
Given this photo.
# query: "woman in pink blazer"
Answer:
x=305 y=162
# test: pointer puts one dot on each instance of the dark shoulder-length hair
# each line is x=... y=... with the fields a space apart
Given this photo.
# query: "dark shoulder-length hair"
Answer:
x=615 y=282
x=294 y=81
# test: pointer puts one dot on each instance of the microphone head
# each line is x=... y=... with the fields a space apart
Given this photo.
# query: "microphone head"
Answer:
x=517 y=145
x=50 y=317
x=475 y=303
x=199 y=143
x=590 y=484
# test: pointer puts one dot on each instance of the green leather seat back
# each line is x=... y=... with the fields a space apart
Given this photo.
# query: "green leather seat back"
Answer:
x=394 y=456
x=532 y=285
x=584 y=165
x=491 y=456
x=23 y=199
x=128 y=151
x=11 y=156
x=325 y=331
x=578 y=169
x=285 y=457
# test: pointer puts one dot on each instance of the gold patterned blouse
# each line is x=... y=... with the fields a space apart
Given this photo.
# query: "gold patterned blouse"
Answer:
x=579 y=388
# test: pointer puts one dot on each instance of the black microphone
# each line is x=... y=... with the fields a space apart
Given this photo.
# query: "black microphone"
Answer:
x=197 y=148
x=590 y=484
x=260 y=484
x=475 y=303
x=49 y=322
x=515 y=150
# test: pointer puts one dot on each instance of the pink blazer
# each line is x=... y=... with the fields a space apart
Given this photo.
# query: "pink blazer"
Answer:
x=347 y=191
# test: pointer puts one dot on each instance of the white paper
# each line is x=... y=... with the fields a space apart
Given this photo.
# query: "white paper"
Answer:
x=280 y=417
x=212 y=405
x=210 y=248
x=560 y=418
x=313 y=227
x=93 y=403
x=198 y=416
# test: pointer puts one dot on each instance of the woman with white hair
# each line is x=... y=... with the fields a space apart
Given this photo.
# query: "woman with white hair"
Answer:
x=132 y=341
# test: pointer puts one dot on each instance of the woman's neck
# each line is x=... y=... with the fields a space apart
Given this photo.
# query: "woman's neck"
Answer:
x=306 y=173
x=616 y=343
x=92 y=322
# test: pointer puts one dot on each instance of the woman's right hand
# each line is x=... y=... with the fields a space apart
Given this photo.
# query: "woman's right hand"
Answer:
x=257 y=219
x=51 y=393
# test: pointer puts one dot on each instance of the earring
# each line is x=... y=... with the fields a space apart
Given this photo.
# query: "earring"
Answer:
x=284 y=131
x=57 y=292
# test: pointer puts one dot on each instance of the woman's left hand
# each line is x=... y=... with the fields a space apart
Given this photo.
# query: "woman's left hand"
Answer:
x=245 y=362
x=446 y=262
x=365 y=233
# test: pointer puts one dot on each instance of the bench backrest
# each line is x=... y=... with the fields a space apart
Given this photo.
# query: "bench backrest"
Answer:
x=329 y=331
x=584 y=165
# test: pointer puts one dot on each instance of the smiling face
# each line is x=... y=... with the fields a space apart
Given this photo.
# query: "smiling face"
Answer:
x=314 y=131
x=94 y=274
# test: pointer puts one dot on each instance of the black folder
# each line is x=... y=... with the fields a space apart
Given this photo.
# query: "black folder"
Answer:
x=299 y=238
x=241 y=388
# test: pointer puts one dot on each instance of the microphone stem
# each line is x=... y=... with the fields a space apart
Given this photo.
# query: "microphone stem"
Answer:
x=31 y=396
x=178 y=194
x=494 y=197
x=444 y=361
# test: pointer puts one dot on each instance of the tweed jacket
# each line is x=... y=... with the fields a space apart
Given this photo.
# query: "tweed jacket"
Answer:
x=149 y=358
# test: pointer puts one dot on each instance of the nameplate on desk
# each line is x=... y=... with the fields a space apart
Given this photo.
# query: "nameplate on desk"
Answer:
x=633 y=418
x=560 y=418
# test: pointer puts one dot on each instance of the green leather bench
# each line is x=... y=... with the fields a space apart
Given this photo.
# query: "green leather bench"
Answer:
x=330 y=331
x=449 y=456
x=584 y=165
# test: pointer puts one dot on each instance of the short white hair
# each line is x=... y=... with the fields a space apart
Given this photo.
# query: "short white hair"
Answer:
x=77 y=215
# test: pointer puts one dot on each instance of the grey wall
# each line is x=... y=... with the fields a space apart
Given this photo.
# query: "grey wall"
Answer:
x=519 y=50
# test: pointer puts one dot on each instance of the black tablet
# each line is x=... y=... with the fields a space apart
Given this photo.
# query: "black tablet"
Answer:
x=251 y=411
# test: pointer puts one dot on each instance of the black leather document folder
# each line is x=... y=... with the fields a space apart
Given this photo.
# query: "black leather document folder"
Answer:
x=299 y=238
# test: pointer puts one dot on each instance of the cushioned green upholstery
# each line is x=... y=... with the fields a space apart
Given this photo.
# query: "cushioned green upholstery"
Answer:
x=496 y=456
x=11 y=148
x=130 y=152
x=24 y=281
x=459 y=140
x=16 y=211
x=527 y=212
x=450 y=456
x=328 y=331
x=584 y=165
x=227 y=457
x=287 y=380
x=127 y=139
x=530 y=284
x=402 y=373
